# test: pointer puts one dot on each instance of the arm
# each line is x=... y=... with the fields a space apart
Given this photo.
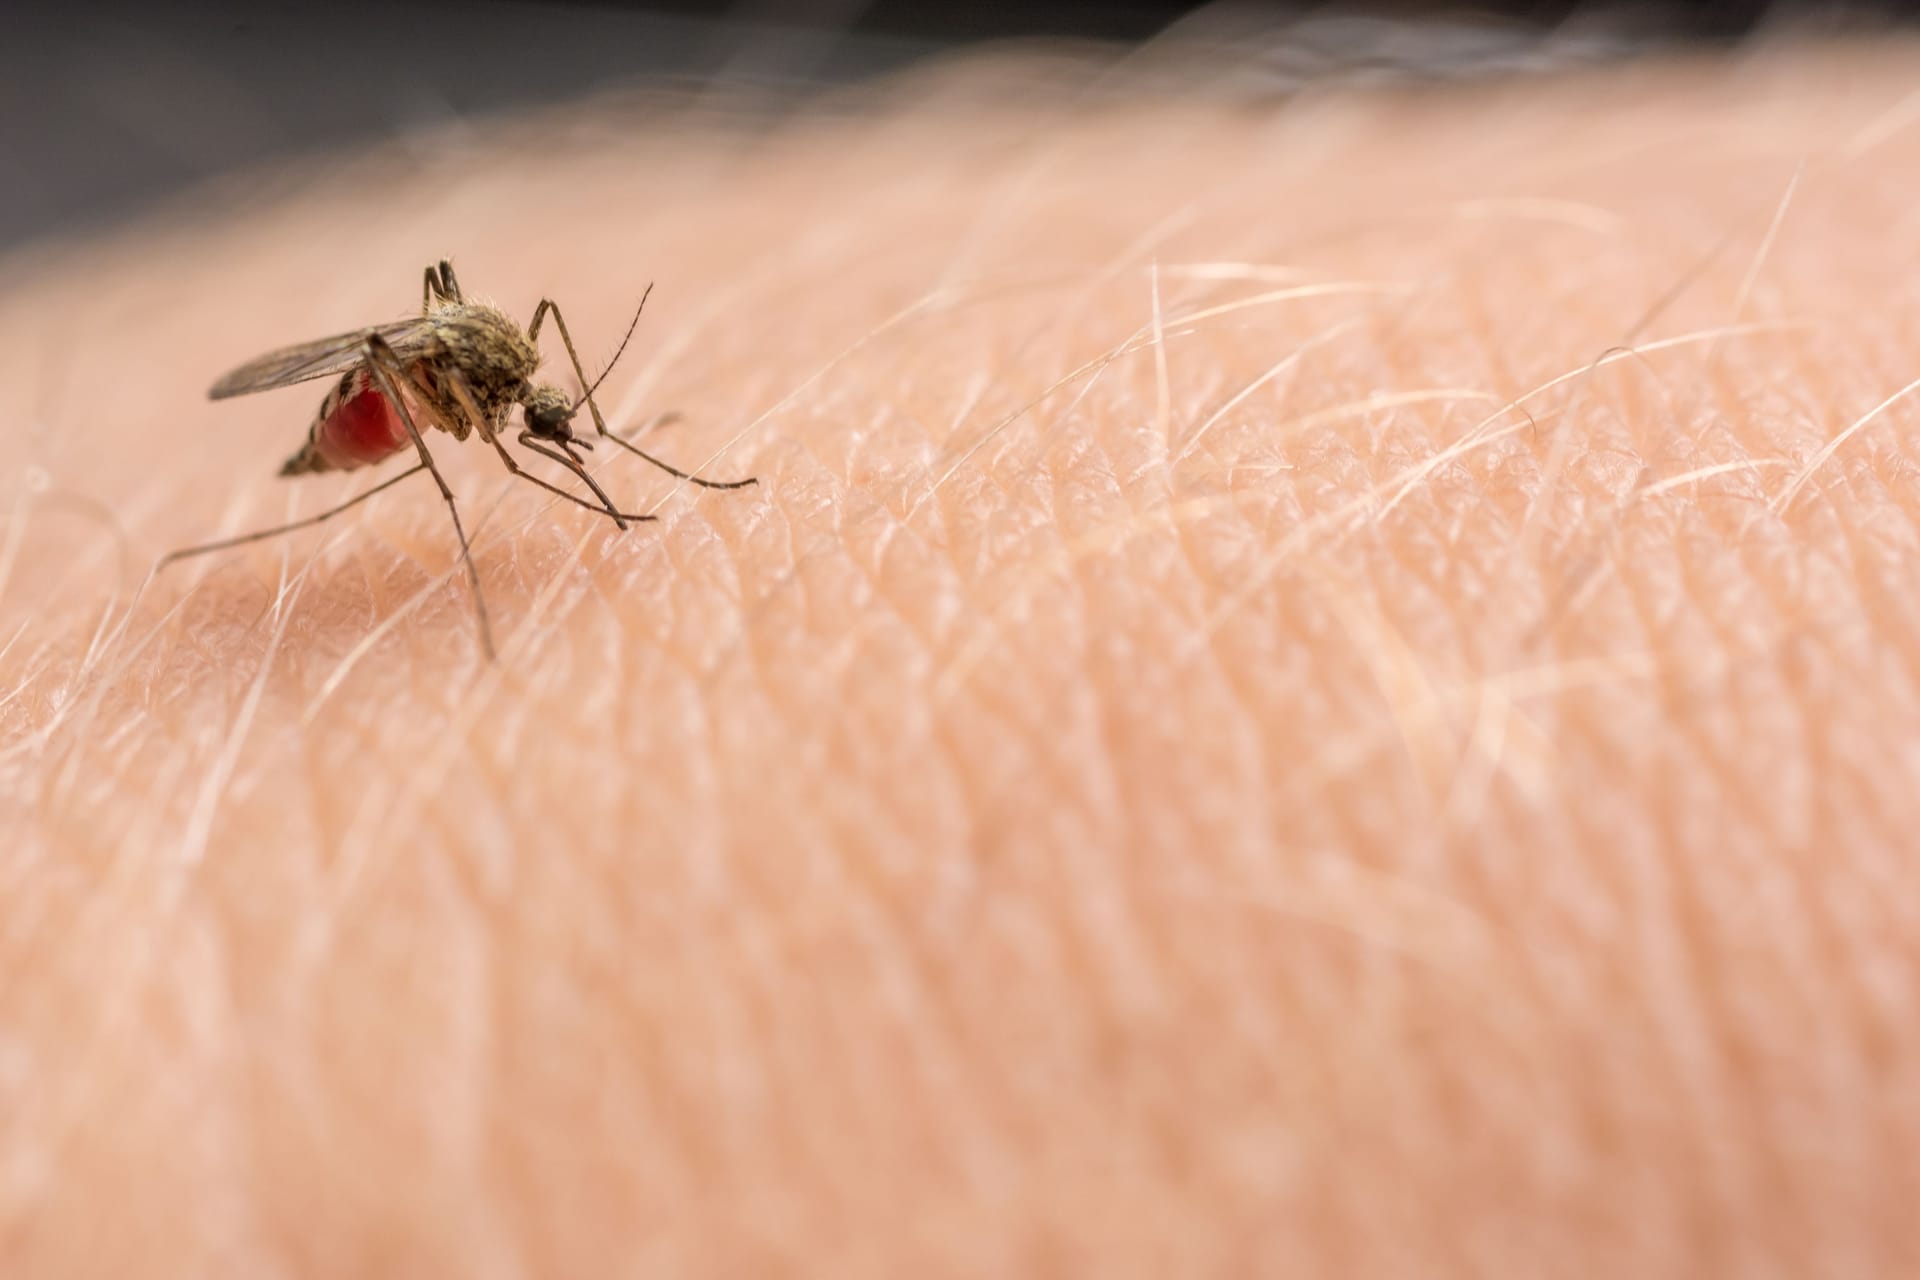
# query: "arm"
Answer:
x=1233 y=728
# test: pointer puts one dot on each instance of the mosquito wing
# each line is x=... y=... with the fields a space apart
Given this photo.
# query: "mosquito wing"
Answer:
x=317 y=359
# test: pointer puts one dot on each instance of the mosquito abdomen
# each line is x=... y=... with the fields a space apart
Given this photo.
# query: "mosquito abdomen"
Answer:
x=356 y=427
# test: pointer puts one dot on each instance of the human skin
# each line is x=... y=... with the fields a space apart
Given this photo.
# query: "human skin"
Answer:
x=1198 y=757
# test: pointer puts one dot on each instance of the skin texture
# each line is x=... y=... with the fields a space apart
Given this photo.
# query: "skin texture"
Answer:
x=1316 y=687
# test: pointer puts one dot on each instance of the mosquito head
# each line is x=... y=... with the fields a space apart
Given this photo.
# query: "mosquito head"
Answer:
x=548 y=413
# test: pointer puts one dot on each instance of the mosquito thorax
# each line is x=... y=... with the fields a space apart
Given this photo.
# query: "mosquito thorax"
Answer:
x=548 y=413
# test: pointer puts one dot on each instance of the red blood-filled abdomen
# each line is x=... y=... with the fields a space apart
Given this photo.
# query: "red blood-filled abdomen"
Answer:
x=362 y=430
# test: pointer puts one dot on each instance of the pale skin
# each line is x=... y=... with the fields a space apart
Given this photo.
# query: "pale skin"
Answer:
x=1313 y=690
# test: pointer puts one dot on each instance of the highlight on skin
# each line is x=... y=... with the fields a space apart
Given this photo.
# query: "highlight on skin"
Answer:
x=1314 y=685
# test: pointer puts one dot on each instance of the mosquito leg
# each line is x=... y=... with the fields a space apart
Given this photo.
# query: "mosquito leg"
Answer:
x=439 y=284
x=470 y=408
x=675 y=471
x=540 y=314
x=606 y=509
x=387 y=371
x=224 y=543
x=572 y=464
x=600 y=423
x=586 y=384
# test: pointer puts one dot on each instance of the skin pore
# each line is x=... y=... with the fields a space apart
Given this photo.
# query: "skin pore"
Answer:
x=1316 y=686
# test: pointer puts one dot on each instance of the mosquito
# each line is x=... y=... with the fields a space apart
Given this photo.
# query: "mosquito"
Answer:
x=460 y=366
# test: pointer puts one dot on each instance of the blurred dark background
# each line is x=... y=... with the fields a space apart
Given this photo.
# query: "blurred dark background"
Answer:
x=105 y=107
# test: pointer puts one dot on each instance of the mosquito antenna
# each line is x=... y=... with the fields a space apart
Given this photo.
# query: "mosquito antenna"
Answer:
x=588 y=393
